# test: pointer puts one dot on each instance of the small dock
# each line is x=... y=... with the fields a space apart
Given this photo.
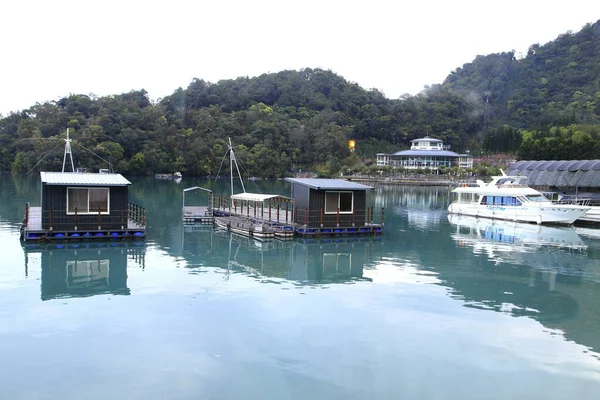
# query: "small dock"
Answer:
x=245 y=226
x=197 y=215
x=256 y=215
x=194 y=214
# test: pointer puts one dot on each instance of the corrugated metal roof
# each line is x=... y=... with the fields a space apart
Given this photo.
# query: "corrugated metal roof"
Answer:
x=83 y=179
x=330 y=184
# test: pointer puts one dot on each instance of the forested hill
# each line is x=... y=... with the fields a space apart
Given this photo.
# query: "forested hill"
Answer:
x=554 y=83
x=280 y=123
x=296 y=120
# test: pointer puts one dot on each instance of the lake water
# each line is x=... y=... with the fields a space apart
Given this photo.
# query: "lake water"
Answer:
x=437 y=308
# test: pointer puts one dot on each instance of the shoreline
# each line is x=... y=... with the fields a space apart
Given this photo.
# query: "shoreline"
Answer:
x=406 y=181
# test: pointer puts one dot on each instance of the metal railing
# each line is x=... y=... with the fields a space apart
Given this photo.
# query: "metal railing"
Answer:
x=59 y=220
x=266 y=212
x=320 y=218
x=137 y=214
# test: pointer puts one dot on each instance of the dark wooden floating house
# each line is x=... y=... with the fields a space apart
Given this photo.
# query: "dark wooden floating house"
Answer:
x=328 y=207
x=82 y=206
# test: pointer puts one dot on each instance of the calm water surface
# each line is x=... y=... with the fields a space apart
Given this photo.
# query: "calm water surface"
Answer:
x=438 y=308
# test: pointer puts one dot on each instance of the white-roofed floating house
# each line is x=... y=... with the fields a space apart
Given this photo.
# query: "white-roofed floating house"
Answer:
x=332 y=207
x=80 y=206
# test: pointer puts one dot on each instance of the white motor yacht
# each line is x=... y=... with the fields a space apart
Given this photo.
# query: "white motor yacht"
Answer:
x=510 y=198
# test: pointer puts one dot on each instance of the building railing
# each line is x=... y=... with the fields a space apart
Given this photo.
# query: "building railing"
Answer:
x=272 y=212
x=57 y=219
x=318 y=218
x=137 y=214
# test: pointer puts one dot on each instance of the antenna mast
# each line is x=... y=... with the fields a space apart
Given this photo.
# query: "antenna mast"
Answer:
x=232 y=161
x=68 y=151
x=486 y=111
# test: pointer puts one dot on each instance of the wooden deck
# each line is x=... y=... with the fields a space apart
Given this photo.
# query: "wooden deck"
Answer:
x=33 y=230
x=197 y=214
x=259 y=222
x=259 y=214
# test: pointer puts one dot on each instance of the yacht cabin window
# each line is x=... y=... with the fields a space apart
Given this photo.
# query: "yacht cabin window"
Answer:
x=500 y=201
x=536 y=198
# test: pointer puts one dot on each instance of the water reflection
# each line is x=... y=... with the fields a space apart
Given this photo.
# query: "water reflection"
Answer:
x=424 y=207
x=81 y=270
x=300 y=261
x=543 y=272
x=545 y=247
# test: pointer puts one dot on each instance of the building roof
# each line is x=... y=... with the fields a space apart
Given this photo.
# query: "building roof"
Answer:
x=565 y=173
x=259 y=197
x=83 y=179
x=329 y=184
x=426 y=153
x=427 y=139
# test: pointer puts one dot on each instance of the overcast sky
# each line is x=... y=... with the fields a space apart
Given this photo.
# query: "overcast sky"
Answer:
x=53 y=48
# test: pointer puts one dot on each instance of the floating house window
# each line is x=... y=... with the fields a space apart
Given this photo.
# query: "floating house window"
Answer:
x=337 y=264
x=87 y=200
x=342 y=200
x=86 y=273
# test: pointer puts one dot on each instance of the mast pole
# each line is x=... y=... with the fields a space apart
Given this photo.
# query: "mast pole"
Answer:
x=231 y=158
x=68 y=151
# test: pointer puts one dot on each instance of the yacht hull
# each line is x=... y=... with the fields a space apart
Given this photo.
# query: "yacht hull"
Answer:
x=539 y=214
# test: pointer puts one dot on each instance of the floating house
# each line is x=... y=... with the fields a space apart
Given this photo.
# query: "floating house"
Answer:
x=76 y=206
x=325 y=207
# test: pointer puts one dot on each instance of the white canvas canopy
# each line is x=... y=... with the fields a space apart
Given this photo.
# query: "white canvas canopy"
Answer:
x=259 y=197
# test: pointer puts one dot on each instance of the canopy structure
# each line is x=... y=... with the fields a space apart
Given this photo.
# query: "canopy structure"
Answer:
x=566 y=173
x=259 y=197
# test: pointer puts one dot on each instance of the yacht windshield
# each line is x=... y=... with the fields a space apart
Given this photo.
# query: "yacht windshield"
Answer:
x=536 y=198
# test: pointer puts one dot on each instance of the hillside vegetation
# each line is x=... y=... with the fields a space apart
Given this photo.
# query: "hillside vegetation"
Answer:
x=545 y=105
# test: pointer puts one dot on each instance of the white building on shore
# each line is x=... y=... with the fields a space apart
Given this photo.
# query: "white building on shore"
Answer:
x=426 y=153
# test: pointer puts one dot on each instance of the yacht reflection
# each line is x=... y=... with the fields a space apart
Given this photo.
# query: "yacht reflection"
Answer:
x=542 y=272
x=553 y=250
x=496 y=237
x=82 y=270
x=301 y=260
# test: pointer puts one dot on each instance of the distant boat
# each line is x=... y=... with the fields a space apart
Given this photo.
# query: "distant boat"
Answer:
x=509 y=198
x=177 y=176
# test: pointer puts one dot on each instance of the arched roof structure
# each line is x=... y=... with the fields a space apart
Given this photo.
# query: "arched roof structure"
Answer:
x=564 y=173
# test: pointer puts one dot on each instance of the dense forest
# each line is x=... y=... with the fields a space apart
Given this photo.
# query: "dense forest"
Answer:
x=545 y=105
